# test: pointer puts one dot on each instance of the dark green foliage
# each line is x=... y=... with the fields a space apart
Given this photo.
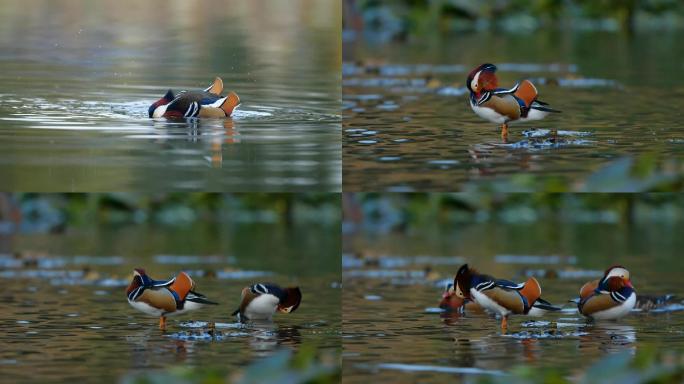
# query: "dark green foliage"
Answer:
x=454 y=15
x=284 y=366
x=50 y=212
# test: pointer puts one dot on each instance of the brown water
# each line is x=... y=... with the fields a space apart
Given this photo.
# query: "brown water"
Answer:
x=392 y=331
x=66 y=318
x=78 y=77
x=407 y=123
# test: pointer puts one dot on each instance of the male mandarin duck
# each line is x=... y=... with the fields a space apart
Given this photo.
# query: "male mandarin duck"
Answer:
x=500 y=105
x=611 y=297
x=452 y=303
x=206 y=103
x=164 y=298
x=260 y=301
x=502 y=297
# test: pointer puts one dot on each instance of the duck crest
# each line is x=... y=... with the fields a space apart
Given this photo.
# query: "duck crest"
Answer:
x=607 y=271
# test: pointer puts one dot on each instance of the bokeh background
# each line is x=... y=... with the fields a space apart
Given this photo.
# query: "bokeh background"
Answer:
x=65 y=260
x=609 y=66
x=78 y=77
x=400 y=251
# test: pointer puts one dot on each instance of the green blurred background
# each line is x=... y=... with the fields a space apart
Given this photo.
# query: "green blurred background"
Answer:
x=400 y=18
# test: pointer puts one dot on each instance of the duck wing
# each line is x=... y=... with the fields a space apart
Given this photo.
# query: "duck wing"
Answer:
x=187 y=104
x=216 y=87
x=517 y=297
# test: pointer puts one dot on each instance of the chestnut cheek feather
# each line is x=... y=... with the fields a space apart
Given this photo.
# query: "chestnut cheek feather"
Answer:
x=130 y=288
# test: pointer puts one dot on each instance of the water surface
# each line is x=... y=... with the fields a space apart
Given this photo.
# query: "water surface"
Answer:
x=66 y=318
x=392 y=331
x=407 y=124
x=77 y=80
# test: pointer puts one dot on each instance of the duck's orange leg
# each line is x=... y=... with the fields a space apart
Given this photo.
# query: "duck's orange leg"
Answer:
x=504 y=323
x=504 y=131
x=162 y=323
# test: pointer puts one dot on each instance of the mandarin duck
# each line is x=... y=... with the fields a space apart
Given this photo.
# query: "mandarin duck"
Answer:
x=501 y=297
x=611 y=297
x=500 y=105
x=205 y=103
x=452 y=303
x=164 y=298
x=260 y=301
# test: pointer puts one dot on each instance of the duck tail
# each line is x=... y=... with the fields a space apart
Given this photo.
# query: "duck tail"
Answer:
x=542 y=106
x=531 y=291
x=545 y=305
x=199 y=298
x=231 y=102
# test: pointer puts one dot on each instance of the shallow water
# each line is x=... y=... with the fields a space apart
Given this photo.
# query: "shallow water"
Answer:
x=392 y=331
x=66 y=318
x=407 y=124
x=77 y=81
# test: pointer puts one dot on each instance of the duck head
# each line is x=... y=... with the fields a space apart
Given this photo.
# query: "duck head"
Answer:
x=482 y=79
x=290 y=300
x=450 y=301
x=140 y=278
x=615 y=278
x=158 y=108
x=462 y=282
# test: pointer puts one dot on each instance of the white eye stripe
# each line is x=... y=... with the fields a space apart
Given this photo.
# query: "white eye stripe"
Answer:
x=618 y=272
x=474 y=82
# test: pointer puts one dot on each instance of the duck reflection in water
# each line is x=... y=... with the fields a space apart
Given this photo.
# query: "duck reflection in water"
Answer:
x=219 y=134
